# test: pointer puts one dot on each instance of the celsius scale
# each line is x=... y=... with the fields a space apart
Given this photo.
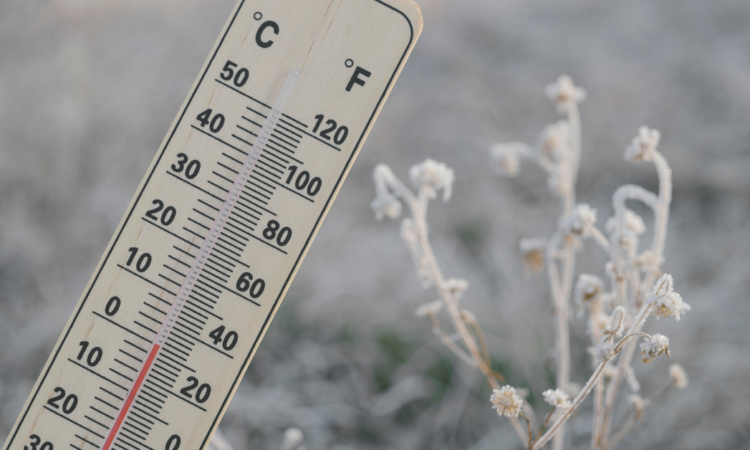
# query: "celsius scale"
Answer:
x=186 y=288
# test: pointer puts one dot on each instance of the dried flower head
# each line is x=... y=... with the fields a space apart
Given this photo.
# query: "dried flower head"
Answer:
x=553 y=140
x=433 y=176
x=627 y=238
x=456 y=287
x=653 y=347
x=633 y=224
x=616 y=324
x=643 y=146
x=386 y=205
x=506 y=401
x=588 y=289
x=666 y=302
x=678 y=376
x=429 y=309
x=564 y=94
x=556 y=398
x=579 y=221
x=646 y=260
x=598 y=322
x=533 y=253
x=638 y=405
x=604 y=352
x=506 y=158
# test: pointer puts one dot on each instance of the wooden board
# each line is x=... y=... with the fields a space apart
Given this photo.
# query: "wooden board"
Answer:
x=106 y=383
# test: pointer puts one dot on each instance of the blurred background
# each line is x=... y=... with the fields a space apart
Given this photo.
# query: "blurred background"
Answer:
x=89 y=88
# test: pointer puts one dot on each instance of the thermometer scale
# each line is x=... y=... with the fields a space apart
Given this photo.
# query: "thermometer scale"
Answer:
x=186 y=288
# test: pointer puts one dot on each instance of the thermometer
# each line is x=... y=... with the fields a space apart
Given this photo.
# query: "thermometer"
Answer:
x=206 y=250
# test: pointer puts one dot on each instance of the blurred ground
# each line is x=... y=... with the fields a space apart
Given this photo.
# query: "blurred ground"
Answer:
x=88 y=90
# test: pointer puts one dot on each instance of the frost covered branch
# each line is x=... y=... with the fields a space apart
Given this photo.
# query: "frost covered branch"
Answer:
x=635 y=289
x=429 y=178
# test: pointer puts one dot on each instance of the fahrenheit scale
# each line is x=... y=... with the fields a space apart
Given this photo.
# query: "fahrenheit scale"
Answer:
x=179 y=302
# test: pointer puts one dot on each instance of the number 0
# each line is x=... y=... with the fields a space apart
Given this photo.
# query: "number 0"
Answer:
x=113 y=305
x=173 y=443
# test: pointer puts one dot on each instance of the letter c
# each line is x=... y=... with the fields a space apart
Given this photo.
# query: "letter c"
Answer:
x=258 y=36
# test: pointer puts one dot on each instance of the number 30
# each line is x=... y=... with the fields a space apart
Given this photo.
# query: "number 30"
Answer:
x=35 y=441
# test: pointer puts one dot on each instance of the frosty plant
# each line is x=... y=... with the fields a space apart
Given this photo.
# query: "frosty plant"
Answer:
x=616 y=310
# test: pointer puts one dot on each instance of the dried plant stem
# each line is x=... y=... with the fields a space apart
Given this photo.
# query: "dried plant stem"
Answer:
x=454 y=312
x=576 y=402
x=475 y=353
x=600 y=239
x=546 y=419
x=614 y=385
x=561 y=300
x=660 y=206
x=476 y=357
x=665 y=198
x=599 y=387
x=632 y=332
x=562 y=312
x=612 y=392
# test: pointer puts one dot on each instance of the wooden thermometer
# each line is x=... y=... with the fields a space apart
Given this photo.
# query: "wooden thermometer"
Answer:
x=178 y=304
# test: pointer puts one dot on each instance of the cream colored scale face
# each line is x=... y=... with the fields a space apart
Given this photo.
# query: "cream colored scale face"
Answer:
x=218 y=227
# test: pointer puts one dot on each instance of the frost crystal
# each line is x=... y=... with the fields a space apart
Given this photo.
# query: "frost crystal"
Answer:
x=506 y=158
x=564 y=93
x=604 y=352
x=557 y=398
x=666 y=302
x=553 y=140
x=678 y=376
x=578 y=222
x=433 y=176
x=643 y=146
x=533 y=253
x=653 y=347
x=506 y=402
